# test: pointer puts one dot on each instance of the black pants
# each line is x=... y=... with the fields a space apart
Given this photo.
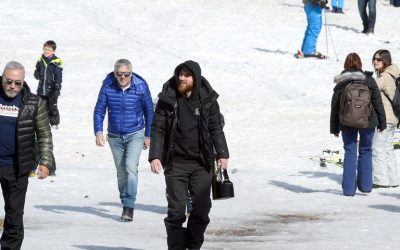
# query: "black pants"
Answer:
x=180 y=178
x=52 y=109
x=14 y=192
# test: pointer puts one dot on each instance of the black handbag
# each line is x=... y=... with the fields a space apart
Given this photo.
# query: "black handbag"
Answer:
x=222 y=187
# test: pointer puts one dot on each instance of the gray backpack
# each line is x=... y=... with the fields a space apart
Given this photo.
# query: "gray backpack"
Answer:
x=355 y=105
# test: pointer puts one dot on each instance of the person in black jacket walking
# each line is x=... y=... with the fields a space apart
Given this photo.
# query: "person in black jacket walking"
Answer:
x=357 y=170
x=49 y=73
x=186 y=128
x=23 y=117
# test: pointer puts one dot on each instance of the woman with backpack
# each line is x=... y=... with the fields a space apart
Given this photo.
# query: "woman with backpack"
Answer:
x=354 y=83
x=384 y=165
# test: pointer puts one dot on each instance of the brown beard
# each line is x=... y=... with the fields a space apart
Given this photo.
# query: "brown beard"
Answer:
x=184 y=88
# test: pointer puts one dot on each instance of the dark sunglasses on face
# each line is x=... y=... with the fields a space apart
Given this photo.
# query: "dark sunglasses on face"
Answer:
x=377 y=59
x=125 y=74
x=17 y=82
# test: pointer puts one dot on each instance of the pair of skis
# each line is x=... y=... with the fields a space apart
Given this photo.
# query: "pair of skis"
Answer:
x=328 y=156
x=315 y=55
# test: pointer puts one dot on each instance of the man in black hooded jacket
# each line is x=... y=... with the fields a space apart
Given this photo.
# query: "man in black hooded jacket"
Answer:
x=186 y=139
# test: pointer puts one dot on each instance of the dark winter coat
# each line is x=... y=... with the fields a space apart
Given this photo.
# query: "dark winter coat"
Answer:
x=128 y=110
x=321 y=3
x=166 y=118
x=378 y=118
x=49 y=73
x=32 y=121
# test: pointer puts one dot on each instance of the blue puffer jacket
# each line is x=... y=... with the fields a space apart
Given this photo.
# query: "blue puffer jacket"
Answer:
x=128 y=111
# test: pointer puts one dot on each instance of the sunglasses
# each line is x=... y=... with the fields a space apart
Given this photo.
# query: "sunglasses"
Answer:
x=17 y=82
x=125 y=74
x=377 y=59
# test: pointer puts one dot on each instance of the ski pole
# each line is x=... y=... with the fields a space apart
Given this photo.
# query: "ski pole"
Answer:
x=330 y=36
x=326 y=34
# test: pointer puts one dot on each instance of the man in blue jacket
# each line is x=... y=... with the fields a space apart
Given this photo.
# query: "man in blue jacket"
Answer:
x=127 y=99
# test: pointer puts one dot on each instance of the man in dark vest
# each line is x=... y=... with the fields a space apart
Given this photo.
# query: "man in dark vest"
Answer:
x=185 y=134
x=23 y=117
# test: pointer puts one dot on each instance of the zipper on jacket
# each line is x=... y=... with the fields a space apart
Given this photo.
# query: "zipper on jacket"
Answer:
x=122 y=110
x=45 y=77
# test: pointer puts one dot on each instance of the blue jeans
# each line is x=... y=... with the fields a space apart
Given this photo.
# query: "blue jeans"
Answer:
x=357 y=171
x=314 y=25
x=368 y=20
x=337 y=4
x=126 y=151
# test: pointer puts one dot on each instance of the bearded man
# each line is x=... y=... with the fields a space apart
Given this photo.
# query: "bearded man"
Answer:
x=186 y=128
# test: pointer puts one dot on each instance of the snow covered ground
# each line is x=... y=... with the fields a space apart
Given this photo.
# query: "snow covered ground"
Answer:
x=276 y=109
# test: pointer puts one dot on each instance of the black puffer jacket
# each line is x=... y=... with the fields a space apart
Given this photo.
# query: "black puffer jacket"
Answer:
x=163 y=128
x=321 y=3
x=378 y=118
x=33 y=120
x=49 y=73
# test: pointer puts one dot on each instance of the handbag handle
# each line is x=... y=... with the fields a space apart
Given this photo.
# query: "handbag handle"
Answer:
x=222 y=172
x=225 y=173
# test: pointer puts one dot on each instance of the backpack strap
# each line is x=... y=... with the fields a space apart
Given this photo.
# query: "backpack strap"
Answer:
x=394 y=78
x=387 y=96
x=390 y=100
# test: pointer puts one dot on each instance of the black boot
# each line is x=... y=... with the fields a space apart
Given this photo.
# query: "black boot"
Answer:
x=127 y=214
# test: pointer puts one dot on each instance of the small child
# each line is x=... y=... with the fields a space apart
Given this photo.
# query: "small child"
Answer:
x=49 y=73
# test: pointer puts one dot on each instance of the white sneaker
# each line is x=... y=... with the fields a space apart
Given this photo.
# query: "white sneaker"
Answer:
x=54 y=127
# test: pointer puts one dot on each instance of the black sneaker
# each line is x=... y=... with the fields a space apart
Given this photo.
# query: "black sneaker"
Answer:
x=379 y=186
x=127 y=214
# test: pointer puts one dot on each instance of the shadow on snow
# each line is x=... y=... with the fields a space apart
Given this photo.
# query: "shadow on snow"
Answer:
x=391 y=195
x=332 y=176
x=101 y=212
x=276 y=51
x=139 y=206
x=92 y=247
x=299 y=189
x=389 y=208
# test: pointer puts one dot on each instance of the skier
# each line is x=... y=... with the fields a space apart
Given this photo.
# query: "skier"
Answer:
x=313 y=10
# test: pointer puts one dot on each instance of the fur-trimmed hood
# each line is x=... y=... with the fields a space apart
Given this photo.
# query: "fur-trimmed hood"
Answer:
x=347 y=76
